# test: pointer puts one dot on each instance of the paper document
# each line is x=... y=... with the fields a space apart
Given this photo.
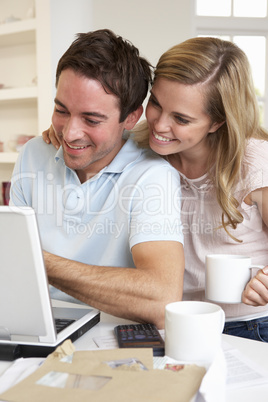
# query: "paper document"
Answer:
x=241 y=371
x=19 y=370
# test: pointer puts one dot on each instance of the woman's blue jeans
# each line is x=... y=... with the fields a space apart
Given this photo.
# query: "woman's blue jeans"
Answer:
x=252 y=329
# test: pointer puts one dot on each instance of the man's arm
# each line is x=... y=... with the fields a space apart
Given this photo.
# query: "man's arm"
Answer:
x=139 y=294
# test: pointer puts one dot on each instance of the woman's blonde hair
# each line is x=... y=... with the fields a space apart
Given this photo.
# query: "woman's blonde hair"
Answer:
x=229 y=96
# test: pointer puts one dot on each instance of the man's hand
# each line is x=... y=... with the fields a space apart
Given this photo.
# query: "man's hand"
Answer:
x=49 y=136
x=256 y=291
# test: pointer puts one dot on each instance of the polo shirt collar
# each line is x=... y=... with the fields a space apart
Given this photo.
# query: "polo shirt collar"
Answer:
x=59 y=154
x=127 y=155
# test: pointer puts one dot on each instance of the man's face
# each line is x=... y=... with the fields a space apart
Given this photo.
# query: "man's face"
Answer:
x=86 y=120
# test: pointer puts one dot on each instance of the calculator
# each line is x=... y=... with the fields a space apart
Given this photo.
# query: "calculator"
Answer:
x=140 y=336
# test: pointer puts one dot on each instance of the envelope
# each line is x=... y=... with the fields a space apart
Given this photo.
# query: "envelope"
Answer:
x=105 y=375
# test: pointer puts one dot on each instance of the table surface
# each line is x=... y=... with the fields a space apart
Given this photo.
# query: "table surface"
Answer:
x=254 y=350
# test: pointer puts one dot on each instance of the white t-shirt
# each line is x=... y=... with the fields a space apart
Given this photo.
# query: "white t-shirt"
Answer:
x=201 y=216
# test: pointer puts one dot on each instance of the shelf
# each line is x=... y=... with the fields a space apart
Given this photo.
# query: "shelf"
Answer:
x=21 y=44
x=18 y=32
x=18 y=93
x=8 y=157
x=18 y=26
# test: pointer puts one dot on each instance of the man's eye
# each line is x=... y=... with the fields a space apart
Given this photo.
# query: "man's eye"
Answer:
x=92 y=122
x=60 y=111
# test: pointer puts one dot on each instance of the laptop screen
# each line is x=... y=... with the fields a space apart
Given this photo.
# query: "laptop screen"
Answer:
x=24 y=296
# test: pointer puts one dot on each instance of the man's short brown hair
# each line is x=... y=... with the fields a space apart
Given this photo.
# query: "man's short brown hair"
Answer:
x=114 y=62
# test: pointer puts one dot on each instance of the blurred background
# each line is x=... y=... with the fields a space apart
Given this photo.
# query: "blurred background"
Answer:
x=35 y=33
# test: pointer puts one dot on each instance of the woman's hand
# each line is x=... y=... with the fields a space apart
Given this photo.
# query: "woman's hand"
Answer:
x=256 y=291
x=49 y=136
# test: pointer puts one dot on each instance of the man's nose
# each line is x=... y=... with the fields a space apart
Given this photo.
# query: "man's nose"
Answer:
x=72 y=130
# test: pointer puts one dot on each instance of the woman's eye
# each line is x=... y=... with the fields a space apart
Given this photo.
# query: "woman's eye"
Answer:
x=153 y=101
x=181 y=120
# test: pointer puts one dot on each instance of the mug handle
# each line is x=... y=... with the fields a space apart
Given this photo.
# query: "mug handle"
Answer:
x=254 y=269
x=223 y=319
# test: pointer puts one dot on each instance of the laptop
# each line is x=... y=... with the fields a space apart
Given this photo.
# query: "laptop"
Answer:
x=28 y=317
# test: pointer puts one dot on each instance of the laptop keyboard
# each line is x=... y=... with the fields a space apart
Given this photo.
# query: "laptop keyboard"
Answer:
x=62 y=323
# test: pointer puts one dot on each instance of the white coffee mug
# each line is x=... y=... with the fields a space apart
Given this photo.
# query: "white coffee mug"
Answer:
x=226 y=277
x=193 y=331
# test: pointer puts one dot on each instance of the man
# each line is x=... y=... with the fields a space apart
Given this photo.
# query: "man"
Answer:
x=103 y=205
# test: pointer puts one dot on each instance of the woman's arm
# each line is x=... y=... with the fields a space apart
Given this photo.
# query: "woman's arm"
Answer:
x=256 y=291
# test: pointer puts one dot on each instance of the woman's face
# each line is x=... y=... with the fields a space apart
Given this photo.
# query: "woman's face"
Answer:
x=176 y=118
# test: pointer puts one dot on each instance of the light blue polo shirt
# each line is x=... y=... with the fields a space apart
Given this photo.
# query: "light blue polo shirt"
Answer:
x=136 y=198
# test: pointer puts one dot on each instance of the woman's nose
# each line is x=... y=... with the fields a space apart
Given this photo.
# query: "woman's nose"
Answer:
x=161 y=123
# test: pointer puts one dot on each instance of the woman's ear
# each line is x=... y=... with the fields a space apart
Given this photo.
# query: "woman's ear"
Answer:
x=133 y=118
x=215 y=127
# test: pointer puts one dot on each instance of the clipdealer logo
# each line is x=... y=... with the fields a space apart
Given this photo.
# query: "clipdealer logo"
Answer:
x=48 y=197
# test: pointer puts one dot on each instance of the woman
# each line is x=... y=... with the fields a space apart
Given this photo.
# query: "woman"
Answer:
x=202 y=116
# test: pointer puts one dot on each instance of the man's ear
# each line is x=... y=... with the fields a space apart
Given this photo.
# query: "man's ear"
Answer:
x=133 y=118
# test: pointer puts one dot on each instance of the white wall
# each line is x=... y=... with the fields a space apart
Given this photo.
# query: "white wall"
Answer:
x=152 y=25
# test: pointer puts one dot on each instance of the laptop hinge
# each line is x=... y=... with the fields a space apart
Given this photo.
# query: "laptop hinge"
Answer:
x=4 y=334
x=24 y=338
